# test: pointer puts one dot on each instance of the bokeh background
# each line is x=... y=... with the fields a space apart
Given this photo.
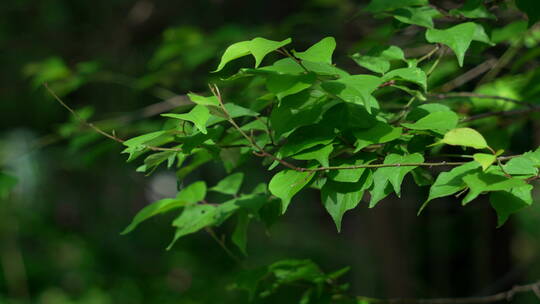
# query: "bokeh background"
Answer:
x=122 y=62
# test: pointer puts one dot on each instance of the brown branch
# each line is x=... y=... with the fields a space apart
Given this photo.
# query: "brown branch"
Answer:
x=430 y=53
x=502 y=296
x=258 y=149
x=97 y=129
x=468 y=76
x=222 y=244
x=442 y=96
x=530 y=109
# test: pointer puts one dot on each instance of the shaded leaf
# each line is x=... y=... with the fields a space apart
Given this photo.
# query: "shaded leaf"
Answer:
x=473 y=9
x=239 y=236
x=307 y=137
x=354 y=89
x=509 y=202
x=450 y=182
x=381 y=132
x=383 y=177
x=479 y=182
x=283 y=85
x=378 y=59
x=189 y=195
x=422 y=16
x=287 y=183
x=338 y=198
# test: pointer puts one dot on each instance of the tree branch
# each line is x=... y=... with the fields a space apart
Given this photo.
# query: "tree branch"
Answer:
x=97 y=129
x=530 y=109
x=442 y=96
x=502 y=296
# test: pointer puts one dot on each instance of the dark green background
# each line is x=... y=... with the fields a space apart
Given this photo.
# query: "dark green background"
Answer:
x=59 y=230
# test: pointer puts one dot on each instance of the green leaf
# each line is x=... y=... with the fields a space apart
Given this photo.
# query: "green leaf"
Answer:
x=290 y=66
x=295 y=111
x=193 y=193
x=154 y=160
x=377 y=6
x=307 y=137
x=346 y=116
x=197 y=217
x=423 y=110
x=480 y=35
x=422 y=177
x=448 y=183
x=283 y=85
x=199 y=158
x=380 y=133
x=142 y=139
x=288 y=271
x=204 y=101
x=458 y=38
x=320 y=52
x=137 y=146
x=422 y=16
x=511 y=201
x=486 y=160
x=465 y=137
x=287 y=183
x=439 y=122
x=414 y=75
x=473 y=9
x=229 y=185
x=526 y=164
x=319 y=153
x=378 y=59
x=512 y=31
x=199 y=115
x=354 y=89
x=258 y=47
x=239 y=236
x=189 y=195
x=479 y=182
x=338 y=198
x=191 y=142
x=351 y=175
x=394 y=176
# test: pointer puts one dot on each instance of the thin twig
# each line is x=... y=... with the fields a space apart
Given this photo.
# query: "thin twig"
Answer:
x=79 y=118
x=258 y=149
x=468 y=76
x=222 y=244
x=442 y=96
x=502 y=296
x=528 y=110
x=97 y=129
x=430 y=53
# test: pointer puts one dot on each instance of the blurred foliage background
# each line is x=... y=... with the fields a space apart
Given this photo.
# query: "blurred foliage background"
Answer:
x=122 y=62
